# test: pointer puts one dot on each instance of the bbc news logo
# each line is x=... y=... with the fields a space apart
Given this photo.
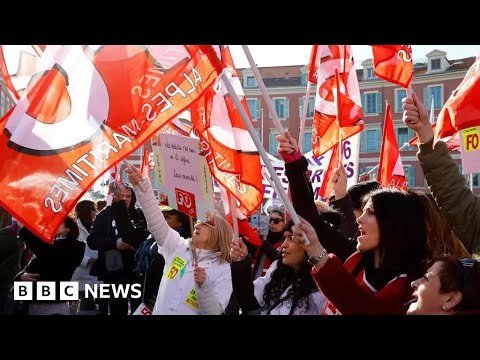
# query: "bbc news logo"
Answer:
x=69 y=290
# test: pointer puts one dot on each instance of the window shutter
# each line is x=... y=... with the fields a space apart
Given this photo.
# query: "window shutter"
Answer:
x=363 y=98
x=379 y=103
x=426 y=98
x=378 y=144
x=287 y=108
x=259 y=111
x=301 y=103
x=411 y=177
x=363 y=141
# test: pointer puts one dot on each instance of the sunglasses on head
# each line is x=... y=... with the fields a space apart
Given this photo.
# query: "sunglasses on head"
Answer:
x=275 y=220
x=210 y=222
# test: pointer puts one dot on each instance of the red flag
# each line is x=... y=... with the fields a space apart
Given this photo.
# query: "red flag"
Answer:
x=228 y=147
x=325 y=131
x=314 y=64
x=390 y=170
x=148 y=164
x=462 y=109
x=393 y=63
x=326 y=189
x=83 y=111
x=452 y=142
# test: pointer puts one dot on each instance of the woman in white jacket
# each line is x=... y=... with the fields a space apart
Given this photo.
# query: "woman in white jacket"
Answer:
x=188 y=288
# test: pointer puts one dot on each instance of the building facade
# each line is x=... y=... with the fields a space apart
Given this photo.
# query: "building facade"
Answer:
x=435 y=77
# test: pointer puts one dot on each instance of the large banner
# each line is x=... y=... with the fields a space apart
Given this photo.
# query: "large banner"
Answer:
x=84 y=109
x=183 y=177
x=318 y=167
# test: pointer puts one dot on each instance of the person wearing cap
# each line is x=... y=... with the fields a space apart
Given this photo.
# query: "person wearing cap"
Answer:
x=451 y=286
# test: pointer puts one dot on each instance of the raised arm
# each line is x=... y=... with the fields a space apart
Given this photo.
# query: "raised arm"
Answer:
x=166 y=238
x=460 y=206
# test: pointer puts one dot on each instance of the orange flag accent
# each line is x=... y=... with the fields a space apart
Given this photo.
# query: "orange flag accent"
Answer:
x=326 y=189
x=393 y=63
x=84 y=110
x=231 y=154
x=390 y=171
x=462 y=109
x=326 y=121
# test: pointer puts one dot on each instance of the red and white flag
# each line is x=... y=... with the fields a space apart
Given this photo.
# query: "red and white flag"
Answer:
x=83 y=111
x=148 y=163
x=232 y=156
x=462 y=109
x=17 y=64
x=390 y=171
x=326 y=122
x=393 y=63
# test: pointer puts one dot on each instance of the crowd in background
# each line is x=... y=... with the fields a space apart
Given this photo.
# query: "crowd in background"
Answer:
x=370 y=250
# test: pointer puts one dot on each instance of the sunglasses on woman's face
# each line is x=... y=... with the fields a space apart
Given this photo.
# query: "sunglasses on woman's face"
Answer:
x=275 y=220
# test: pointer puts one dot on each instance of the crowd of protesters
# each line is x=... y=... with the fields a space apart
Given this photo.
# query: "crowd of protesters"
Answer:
x=371 y=250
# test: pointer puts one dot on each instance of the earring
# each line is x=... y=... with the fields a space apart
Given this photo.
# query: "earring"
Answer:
x=444 y=307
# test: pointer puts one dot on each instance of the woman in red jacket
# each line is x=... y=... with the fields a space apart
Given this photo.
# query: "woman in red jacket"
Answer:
x=370 y=274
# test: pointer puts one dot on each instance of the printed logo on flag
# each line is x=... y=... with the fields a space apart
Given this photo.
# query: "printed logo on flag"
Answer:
x=186 y=202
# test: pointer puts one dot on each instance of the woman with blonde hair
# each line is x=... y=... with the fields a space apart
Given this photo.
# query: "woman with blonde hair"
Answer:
x=197 y=279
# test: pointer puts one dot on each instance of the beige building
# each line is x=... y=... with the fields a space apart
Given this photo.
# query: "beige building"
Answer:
x=434 y=76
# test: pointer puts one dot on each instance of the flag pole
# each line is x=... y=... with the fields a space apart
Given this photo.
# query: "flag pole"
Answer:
x=432 y=111
x=335 y=98
x=233 y=210
x=263 y=89
x=262 y=152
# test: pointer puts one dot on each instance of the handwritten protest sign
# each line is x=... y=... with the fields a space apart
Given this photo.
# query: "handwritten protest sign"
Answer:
x=183 y=178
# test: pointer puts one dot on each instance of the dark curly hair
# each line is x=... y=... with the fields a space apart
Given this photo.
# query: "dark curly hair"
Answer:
x=282 y=277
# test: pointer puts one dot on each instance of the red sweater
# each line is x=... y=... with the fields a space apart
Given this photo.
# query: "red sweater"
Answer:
x=349 y=295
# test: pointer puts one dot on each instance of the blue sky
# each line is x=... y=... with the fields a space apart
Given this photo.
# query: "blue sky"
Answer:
x=277 y=55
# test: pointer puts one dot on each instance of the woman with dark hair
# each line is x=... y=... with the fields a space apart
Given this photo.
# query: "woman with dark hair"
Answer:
x=450 y=286
x=85 y=212
x=52 y=262
x=369 y=275
x=286 y=289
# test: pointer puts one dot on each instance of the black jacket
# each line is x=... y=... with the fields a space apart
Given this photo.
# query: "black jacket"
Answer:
x=112 y=223
x=54 y=262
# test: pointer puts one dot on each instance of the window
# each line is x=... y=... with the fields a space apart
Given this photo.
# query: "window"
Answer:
x=372 y=102
x=303 y=79
x=272 y=143
x=310 y=109
x=254 y=108
x=435 y=65
x=399 y=95
x=281 y=107
x=409 y=175
x=139 y=151
x=307 y=142
x=437 y=93
x=404 y=135
x=370 y=140
x=370 y=73
x=475 y=180
x=250 y=81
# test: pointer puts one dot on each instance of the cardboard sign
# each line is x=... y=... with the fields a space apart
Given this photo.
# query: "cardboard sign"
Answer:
x=183 y=178
x=470 y=150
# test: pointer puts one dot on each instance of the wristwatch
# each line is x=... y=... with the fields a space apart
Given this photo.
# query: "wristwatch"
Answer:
x=312 y=260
